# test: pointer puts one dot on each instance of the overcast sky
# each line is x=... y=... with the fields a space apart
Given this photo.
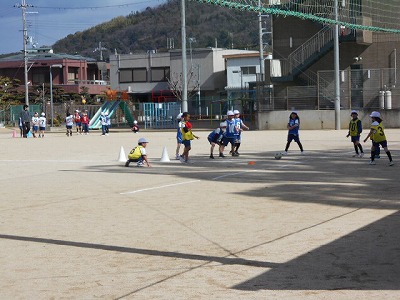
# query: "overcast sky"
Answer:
x=51 y=20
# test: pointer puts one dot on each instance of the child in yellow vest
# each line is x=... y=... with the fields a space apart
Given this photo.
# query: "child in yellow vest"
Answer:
x=138 y=154
x=187 y=136
x=377 y=135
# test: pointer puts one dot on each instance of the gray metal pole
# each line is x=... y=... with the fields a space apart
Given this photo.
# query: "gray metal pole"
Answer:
x=260 y=32
x=184 y=67
x=337 y=75
x=25 y=36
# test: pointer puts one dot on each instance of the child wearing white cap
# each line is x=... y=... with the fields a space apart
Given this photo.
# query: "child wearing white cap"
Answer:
x=138 y=154
x=377 y=135
x=42 y=124
x=239 y=125
x=215 y=138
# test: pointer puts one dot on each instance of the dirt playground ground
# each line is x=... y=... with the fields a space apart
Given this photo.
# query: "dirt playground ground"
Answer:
x=76 y=224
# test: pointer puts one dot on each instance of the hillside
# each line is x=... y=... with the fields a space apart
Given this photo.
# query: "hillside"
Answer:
x=150 y=30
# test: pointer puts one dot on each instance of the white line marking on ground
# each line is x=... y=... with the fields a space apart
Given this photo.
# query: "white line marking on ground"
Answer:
x=159 y=187
x=228 y=175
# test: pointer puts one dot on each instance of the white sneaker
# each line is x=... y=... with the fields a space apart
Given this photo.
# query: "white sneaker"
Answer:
x=177 y=157
x=140 y=165
x=284 y=153
x=302 y=153
x=361 y=155
x=391 y=163
x=372 y=162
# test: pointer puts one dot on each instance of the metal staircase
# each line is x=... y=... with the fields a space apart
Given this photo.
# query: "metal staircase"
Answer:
x=305 y=55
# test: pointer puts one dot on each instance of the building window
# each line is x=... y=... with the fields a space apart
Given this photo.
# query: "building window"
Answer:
x=140 y=75
x=38 y=78
x=248 y=70
x=125 y=75
x=160 y=74
x=72 y=74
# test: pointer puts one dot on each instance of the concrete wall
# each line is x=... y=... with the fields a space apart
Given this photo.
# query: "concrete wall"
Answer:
x=323 y=119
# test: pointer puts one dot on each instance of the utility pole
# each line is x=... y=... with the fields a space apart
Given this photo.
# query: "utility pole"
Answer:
x=100 y=48
x=336 y=68
x=184 y=68
x=23 y=7
x=260 y=29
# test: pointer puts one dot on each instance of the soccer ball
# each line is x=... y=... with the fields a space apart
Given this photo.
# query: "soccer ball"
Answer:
x=278 y=155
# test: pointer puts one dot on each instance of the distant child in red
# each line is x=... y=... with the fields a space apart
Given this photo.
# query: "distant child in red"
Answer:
x=78 y=123
x=85 y=123
x=135 y=127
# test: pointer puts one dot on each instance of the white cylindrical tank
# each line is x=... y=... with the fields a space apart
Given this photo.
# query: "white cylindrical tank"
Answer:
x=381 y=99
x=388 y=98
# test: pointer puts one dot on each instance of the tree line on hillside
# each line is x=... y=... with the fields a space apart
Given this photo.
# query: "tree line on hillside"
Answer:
x=151 y=29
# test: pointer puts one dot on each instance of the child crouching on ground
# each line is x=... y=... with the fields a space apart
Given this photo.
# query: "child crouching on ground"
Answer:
x=215 y=137
x=135 y=128
x=138 y=154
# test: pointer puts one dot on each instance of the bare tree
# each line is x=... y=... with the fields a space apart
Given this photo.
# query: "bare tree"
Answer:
x=176 y=85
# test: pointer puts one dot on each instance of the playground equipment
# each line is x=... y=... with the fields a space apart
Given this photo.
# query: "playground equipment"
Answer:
x=111 y=107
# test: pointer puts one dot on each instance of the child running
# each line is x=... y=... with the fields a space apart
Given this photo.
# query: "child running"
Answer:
x=377 y=135
x=138 y=154
x=355 y=129
x=187 y=136
x=215 y=137
x=293 y=126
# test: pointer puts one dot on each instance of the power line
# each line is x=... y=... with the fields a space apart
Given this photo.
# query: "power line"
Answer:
x=93 y=7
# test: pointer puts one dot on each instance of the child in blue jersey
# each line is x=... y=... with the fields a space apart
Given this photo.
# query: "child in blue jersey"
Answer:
x=215 y=137
x=181 y=124
x=230 y=136
x=355 y=129
x=239 y=125
x=293 y=126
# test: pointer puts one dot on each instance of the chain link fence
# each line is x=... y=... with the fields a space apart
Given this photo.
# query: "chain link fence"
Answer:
x=359 y=88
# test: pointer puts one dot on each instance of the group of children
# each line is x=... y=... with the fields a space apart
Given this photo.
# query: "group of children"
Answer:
x=81 y=121
x=38 y=125
x=376 y=135
x=229 y=132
